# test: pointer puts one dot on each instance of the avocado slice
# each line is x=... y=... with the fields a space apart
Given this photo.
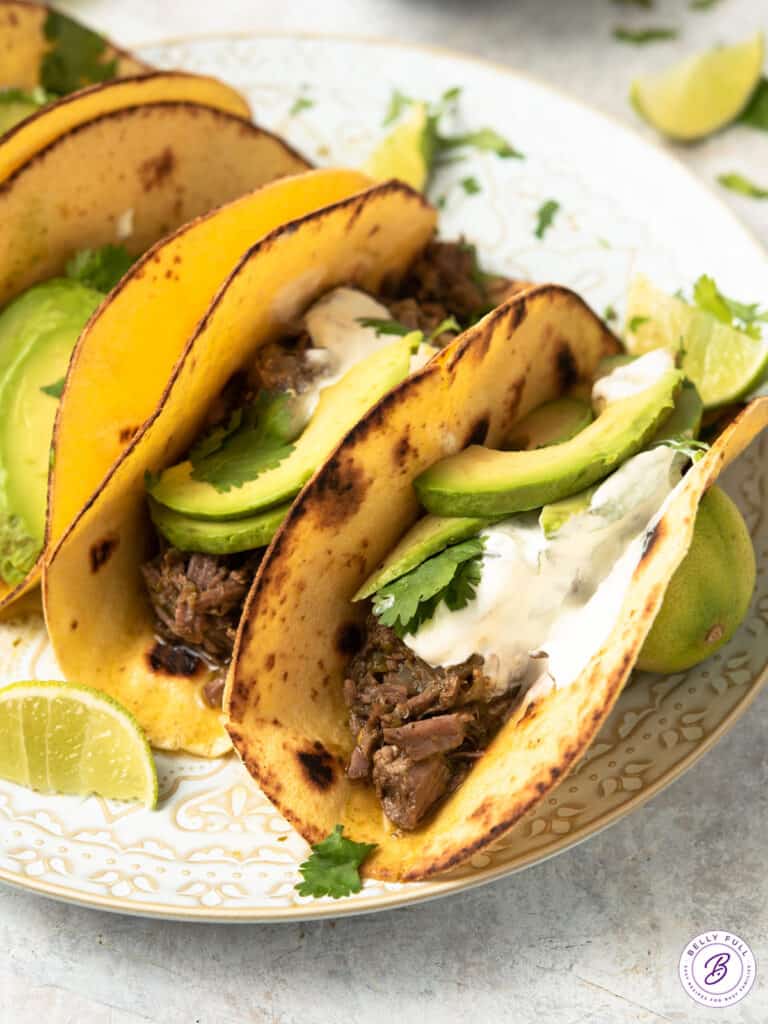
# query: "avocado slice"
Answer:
x=483 y=482
x=38 y=331
x=685 y=419
x=340 y=407
x=557 y=514
x=428 y=537
x=217 y=536
x=16 y=105
x=551 y=423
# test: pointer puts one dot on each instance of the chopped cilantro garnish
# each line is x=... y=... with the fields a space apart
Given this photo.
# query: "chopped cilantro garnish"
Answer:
x=703 y=5
x=738 y=183
x=332 y=869
x=75 y=58
x=382 y=326
x=55 y=390
x=641 y=36
x=742 y=316
x=686 y=446
x=397 y=104
x=299 y=104
x=452 y=577
x=545 y=215
x=755 y=113
x=636 y=322
x=647 y=4
x=449 y=324
x=100 y=268
x=255 y=439
x=484 y=139
x=610 y=315
x=471 y=185
x=37 y=96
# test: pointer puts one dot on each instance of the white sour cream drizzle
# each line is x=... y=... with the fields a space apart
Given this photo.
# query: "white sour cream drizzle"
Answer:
x=341 y=341
x=543 y=608
x=628 y=380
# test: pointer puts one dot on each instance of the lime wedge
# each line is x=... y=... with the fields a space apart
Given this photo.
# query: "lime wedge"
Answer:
x=62 y=738
x=701 y=94
x=403 y=153
x=723 y=363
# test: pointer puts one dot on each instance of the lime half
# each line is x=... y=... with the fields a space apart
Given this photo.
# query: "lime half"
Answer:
x=701 y=94
x=723 y=363
x=403 y=153
x=62 y=738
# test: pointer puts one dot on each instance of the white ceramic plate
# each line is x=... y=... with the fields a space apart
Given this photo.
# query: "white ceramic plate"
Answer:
x=216 y=850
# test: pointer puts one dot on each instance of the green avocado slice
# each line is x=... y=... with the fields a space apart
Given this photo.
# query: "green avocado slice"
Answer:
x=217 y=536
x=38 y=331
x=551 y=423
x=483 y=482
x=341 y=406
x=428 y=537
x=685 y=419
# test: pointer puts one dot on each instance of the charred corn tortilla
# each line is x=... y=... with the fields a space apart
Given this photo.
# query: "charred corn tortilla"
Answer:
x=99 y=616
x=130 y=177
x=23 y=45
x=287 y=716
x=39 y=130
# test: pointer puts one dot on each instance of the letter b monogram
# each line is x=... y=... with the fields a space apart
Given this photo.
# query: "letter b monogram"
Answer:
x=719 y=968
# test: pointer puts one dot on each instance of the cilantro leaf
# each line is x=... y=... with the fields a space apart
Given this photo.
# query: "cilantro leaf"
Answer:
x=545 y=215
x=610 y=315
x=647 y=4
x=37 y=97
x=100 y=268
x=382 y=326
x=738 y=183
x=398 y=102
x=755 y=114
x=641 y=36
x=451 y=576
x=471 y=185
x=484 y=139
x=332 y=869
x=299 y=104
x=636 y=322
x=703 y=5
x=55 y=390
x=75 y=58
x=449 y=324
x=742 y=316
x=259 y=440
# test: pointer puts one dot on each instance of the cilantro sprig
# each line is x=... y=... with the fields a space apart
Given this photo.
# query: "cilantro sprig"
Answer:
x=742 y=316
x=384 y=326
x=75 y=58
x=100 y=268
x=451 y=576
x=254 y=440
x=641 y=36
x=333 y=868
x=738 y=183
x=55 y=390
x=545 y=215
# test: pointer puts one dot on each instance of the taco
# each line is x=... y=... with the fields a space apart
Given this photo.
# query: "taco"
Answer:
x=45 y=55
x=319 y=319
x=425 y=679
x=72 y=220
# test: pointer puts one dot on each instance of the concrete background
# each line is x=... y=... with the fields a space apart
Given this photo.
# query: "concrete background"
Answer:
x=592 y=936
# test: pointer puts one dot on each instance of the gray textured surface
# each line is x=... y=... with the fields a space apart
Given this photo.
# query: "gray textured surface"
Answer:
x=592 y=936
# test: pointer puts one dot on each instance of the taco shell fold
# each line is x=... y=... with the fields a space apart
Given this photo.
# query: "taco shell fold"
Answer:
x=287 y=716
x=99 y=617
x=130 y=177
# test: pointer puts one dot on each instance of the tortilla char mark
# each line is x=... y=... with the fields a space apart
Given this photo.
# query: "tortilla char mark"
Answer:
x=567 y=367
x=101 y=552
x=154 y=170
x=173 y=661
x=318 y=765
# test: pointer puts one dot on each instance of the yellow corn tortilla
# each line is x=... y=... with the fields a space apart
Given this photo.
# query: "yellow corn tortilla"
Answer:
x=23 y=45
x=40 y=129
x=158 y=165
x=99 y=616
x=287 y=716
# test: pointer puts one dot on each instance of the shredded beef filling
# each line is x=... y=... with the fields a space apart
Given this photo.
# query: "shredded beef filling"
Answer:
x=417 y=728
x=198 y=599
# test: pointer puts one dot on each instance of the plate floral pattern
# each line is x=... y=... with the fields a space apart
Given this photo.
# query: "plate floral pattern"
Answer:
x=216 y=849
